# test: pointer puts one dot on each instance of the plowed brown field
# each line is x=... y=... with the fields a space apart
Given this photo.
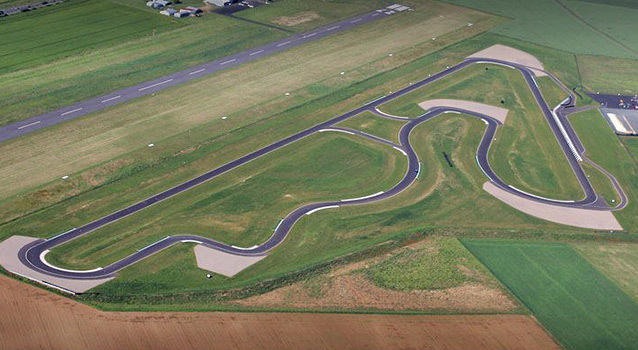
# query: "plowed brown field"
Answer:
x=31 y=318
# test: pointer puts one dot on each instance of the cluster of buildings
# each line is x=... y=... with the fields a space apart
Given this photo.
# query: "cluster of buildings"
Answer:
x=25 y=8
x=163 y=5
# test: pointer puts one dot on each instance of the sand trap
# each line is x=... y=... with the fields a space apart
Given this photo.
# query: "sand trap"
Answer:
x=9 y=260
x=495 y=112
x=585 y=218
x=510 y=54
x=223 y=263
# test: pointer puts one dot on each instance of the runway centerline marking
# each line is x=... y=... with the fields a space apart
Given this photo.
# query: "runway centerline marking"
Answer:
x=30 y=124
x=154 y=85
x=282 y=44
x=71 y=111
x=227 y=62
x=332 y=28
x=256 y=53
x=309 y=35
x=356 y=20
x=197 y=71
x=111 y=99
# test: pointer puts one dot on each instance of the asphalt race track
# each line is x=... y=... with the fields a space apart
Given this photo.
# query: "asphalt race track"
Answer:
x=33 y=255
x=150 y=87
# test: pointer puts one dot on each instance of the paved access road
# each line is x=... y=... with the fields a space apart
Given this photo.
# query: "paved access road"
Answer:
x=150 y=87
x=33 y=255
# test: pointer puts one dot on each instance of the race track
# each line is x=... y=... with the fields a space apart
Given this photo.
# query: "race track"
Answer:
x=33 y=254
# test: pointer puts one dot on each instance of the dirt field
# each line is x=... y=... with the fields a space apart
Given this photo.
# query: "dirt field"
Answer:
x=32 y=318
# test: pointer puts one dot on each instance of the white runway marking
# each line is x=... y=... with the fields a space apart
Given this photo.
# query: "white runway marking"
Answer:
x=322 y=208
x=376 y=14
x=227 y=62
x=71 y=111
x=197 y=71
x=111 y=99
x=30 y=124
x=256 y=53
x=154 y=85
x=286 y=43
x=356 y=20
x=332 y=28
x=310 y=35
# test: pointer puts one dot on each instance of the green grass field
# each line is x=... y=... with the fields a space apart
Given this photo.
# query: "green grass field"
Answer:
x=525 y=153
x=546 y=22
x=576 y=303
x=444 y=264
x=367 y=122
x=68 y=29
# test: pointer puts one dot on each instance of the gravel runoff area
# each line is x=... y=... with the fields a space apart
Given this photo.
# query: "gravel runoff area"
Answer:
x=510 y=54
x=10 y=261
x=497 y=113
x=223 y=263
x=585 y=218
x=55 y=322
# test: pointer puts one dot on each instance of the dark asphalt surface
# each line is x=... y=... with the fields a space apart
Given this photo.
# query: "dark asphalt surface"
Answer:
x=615 y=101
x=150 y=87
x=30 y=255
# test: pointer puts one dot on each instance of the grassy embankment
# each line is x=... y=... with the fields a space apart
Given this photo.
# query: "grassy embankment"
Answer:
x=576 y=303
x=525 y=153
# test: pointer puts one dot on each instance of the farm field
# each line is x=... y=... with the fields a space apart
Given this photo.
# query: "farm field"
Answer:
x=547 y=22
x=525 y=153
x=579 y=306
x=608 y=151
x=616 y=260
x=68 y=29
x=52 y=314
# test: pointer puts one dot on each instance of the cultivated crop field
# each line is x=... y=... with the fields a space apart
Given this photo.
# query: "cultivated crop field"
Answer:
x=550 y=23
x=574 y=301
